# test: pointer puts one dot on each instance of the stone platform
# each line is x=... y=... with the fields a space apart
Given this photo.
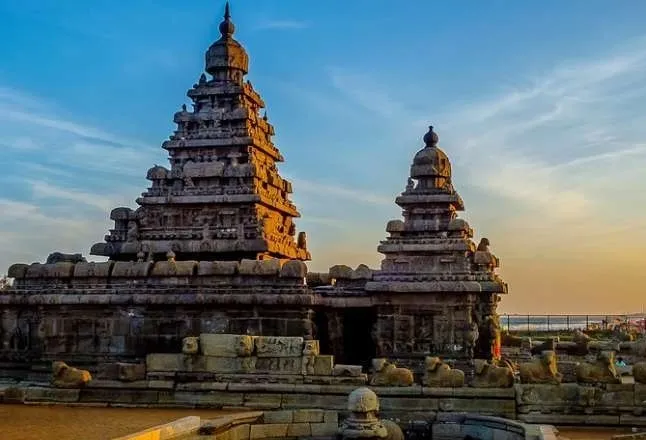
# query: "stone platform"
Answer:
x=566 y=404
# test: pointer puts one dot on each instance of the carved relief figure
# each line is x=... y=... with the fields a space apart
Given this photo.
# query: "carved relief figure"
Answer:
x=133 y=232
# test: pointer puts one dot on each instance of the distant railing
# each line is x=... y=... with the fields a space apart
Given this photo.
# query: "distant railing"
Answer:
x=550 y=323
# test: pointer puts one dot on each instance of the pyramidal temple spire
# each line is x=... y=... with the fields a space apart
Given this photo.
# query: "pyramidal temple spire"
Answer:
x=222 y=197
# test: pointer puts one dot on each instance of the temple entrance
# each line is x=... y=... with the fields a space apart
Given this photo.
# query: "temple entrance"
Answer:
x=358 y=345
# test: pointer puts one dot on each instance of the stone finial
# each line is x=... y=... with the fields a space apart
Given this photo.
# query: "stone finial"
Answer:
x=363 y=400
x=226 y=27
x=170 y=256
x=431 y=139
x=363 y=423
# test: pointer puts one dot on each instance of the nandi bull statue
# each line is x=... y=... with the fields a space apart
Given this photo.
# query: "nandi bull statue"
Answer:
x=385 y=373
x=441 y=375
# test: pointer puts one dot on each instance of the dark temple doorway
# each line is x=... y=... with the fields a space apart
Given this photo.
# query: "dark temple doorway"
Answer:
x=358 y=345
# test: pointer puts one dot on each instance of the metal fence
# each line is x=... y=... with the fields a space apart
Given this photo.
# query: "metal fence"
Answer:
x=549 y=323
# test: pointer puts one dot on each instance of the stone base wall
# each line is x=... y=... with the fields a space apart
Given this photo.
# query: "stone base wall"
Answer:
x=568 y=404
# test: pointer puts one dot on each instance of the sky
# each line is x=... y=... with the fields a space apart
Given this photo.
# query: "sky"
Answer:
x=540 y=106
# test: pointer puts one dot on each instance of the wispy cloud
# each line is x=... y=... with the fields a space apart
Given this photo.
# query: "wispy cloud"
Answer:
x=528 y=143
x=354 y=195
x=281 y=25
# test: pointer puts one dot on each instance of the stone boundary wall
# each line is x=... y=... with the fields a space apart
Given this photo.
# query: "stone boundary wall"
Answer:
x=566 y=404
x=272 y=272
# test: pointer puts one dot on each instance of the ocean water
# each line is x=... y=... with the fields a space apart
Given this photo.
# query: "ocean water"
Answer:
x=565 y=322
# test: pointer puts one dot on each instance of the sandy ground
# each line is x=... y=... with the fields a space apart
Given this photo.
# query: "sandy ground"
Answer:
x=36 y=422
x=27 y=422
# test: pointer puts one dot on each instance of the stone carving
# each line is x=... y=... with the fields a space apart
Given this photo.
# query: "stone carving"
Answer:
x=278 y=346
x=363 y=423
x=385 y=373
x=59 y=257
x=492 y=376
x=64 y=376
x=601 y=371
x=311 y=348
x=203 y=174
x=191 y=345
x=438 y=374
x=542 y=370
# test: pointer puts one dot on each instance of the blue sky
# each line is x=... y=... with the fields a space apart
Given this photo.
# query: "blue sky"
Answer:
x=540 y=106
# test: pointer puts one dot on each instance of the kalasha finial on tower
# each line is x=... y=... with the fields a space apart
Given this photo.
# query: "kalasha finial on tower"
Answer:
x=226 y=27
x=431 y=138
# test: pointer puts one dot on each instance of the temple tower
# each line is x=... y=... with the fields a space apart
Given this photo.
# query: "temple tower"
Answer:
x=222 y=198
x=438 y=289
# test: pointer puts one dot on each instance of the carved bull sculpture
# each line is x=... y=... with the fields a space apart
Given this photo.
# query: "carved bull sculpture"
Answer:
x=387 y=374
x=438 y=374
x=492 y=376
x=64 y=376
x=601 y=371
x=191 y=345
x=542 y=370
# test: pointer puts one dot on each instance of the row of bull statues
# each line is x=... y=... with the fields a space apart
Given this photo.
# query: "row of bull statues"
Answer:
x=542 y=370
x=438 y=374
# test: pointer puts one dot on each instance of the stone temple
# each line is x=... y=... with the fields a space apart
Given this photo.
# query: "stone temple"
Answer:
x=213 y=248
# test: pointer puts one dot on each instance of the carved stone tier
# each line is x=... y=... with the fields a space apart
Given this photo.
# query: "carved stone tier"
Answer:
x=222 y=197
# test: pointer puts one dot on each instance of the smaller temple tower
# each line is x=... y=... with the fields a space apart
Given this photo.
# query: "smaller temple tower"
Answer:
x=222 y=198
x=437 y=289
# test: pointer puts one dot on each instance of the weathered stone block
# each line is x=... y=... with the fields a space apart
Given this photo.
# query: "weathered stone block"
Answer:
x=36 y=394
x=14 y=395
x=341 y=271
x=309 y=416
x=172 y=362
x=273 y=430
x=279 y=346
x=331 y=417
x=230 y=365
x=93 y=270
x=211 y=399
x=210 y=268
x=260 y=267
x=131 y=372
x=115 y=395
x=299 y=430
x=312 y=400
x=262 y=400
x=278 y=416
x=362 y=272
x=324 y=429
x=17 y=271
x=347 y=370
x=279 y=365
x=293 y=269
x=226 y=345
